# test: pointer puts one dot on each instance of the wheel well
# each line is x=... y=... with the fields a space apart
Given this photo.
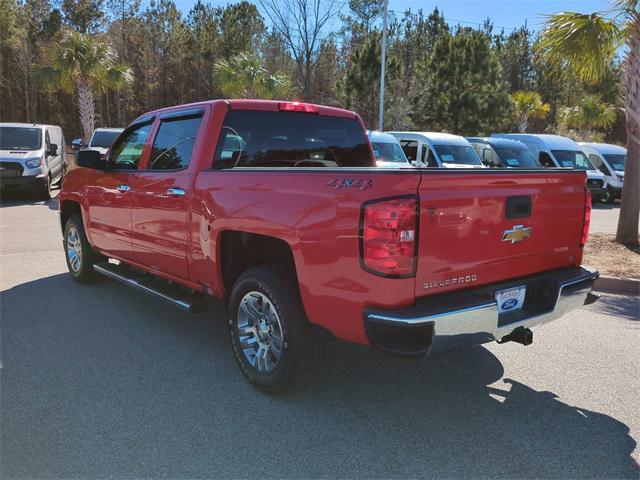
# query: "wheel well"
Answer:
x=68 y=208
x=240 y=251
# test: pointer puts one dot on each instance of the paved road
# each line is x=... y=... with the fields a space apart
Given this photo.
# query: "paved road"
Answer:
x=604 y=218
x=101 y=381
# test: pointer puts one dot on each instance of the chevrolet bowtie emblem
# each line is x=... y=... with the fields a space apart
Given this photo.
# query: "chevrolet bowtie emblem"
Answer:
x=517 y=234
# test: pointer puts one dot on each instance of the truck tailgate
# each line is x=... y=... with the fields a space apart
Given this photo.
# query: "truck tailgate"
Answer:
x=468 y=236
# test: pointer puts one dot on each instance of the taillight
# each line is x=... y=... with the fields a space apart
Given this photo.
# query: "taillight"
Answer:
x=389 y=237
x=587 y=217
x=297 y=107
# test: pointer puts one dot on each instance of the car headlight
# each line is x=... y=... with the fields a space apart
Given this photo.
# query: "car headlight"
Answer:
x=33 y=162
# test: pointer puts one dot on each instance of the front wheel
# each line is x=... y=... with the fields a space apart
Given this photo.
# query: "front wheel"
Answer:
x=44 y=190
x=272 y=340
x=78 y=252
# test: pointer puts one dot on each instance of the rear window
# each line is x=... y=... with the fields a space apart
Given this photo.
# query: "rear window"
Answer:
x=252 y=138
x=459 y=154
x=20 y=138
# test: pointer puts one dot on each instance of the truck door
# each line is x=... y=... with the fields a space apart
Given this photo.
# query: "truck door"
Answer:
x=110 y=194
x=160 y=228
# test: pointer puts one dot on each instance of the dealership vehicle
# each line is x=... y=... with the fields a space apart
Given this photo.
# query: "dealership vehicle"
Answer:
x=503 y=153
x=277 y=208
x=101 y=139
x=610 y=160
x=387 y=150
x=556 y=151
x=430 y=149
x=31 y=157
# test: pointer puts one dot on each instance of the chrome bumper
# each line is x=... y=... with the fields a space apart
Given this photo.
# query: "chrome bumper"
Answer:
x=471 y=317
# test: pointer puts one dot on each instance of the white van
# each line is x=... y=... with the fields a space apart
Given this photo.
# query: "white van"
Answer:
x=438 y=150
x=387 y=151
x=562 y=152
x=31 y=157
x=610 y=160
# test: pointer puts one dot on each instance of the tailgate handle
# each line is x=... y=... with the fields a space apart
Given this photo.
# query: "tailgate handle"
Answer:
x=518 y=206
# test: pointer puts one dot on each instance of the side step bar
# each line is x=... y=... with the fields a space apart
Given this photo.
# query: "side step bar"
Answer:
x=159 y=288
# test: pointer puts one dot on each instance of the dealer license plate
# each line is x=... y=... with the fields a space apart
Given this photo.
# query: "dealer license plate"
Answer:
x=510 y=299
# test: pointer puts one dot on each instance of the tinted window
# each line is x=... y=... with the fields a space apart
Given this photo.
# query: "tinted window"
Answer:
x=616 y=161
x=20 y=138
x=573 y=159
x=410 y=148
x=515 y=157
x=102 y=139
x=173 y=144
x=545 y=160
x=291 y=139
x=460 y=154
x=430 y=161
x=127 y=152
x=388 y=152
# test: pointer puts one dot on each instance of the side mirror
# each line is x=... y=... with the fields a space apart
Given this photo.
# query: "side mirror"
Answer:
x=91 y=159
x=53 y=150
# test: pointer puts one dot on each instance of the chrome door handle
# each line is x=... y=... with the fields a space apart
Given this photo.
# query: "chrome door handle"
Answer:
x=176 y=192
x=123 y=188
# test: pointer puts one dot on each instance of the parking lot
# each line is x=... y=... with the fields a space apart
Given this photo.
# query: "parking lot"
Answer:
x=102 y=381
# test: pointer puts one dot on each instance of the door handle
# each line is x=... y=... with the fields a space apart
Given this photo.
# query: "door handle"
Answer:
x=123 y=188
x=176 y=192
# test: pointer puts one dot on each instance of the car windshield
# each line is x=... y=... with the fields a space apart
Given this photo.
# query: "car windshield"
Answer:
x=616 y=161
x=459 y=154
x=20 y=138
x=102 y=139
x=388 y=152
x=517 y=157
x=573 y=159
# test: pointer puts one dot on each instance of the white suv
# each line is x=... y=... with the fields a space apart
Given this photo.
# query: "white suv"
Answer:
x=31 y=157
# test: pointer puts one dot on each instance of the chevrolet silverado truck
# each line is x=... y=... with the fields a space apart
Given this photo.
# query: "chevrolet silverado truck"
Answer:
x=277 y=208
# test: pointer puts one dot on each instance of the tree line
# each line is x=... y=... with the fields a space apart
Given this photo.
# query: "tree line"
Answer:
x=441 y=76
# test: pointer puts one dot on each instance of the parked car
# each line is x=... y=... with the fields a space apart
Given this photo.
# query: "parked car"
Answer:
x=387 y=150
x=31 y=157
x=443 y=150
x=610 y=160
x=101 y=139
x=562 y=152
x=276 y=207
x=503 y=153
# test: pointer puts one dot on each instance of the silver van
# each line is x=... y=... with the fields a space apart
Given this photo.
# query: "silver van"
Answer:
x=438 y=150
x=610 y=160
x=31 y=157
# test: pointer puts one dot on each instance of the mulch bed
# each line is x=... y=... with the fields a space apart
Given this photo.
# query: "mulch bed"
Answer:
x=611 y=258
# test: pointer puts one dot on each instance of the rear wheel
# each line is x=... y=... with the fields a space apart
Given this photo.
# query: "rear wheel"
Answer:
x=78 y=252
x=272 y=340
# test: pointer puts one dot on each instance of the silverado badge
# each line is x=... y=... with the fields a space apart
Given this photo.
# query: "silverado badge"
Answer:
x=517 y=234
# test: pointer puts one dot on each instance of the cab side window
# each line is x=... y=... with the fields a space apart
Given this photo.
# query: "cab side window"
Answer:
x=410 y=149
x=173 y=145
x=126 y=154
x=545 y=160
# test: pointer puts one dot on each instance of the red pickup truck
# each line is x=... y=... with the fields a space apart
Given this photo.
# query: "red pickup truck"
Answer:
x=276 y=207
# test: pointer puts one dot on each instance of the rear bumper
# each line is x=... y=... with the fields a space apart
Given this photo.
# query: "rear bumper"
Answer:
x=471 y=317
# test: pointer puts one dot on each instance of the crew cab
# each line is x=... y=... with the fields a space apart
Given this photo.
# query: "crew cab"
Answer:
x=277 y=208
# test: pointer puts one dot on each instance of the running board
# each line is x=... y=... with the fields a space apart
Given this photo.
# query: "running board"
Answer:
x=159 y=288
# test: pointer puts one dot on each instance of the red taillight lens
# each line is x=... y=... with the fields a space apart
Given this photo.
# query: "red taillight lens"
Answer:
x=389 y=237
x=297 y=107
x=587 y=217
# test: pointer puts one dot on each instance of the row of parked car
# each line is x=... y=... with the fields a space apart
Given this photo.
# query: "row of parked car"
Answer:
x=604 y=163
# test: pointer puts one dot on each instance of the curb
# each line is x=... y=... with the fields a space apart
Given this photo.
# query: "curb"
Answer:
x=617 y=285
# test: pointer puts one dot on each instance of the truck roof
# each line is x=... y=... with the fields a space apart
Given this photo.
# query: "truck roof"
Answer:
x=605 y=148
x=435 y=138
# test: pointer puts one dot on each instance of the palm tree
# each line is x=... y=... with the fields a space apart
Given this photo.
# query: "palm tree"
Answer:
x=244 y=77
x=584 y=44
x=82 y=65
x=528 y=105
x=590 y=114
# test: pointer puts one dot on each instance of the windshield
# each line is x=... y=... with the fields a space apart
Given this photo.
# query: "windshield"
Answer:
x=460 y=154
x=616 y=161
x=517 y=157
x=388 y=152
x=573 y=159
x=20 y=138
x=103 y=139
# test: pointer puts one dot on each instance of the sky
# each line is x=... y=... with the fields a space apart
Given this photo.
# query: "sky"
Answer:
x=503 y=13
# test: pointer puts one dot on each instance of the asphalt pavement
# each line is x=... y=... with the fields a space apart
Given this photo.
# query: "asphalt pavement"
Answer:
x=604 y=217
x=101 y=381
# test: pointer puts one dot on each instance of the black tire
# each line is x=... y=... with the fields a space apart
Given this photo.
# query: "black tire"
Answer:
x=44 y=192
x=83 y=273
x=302 y=345
x=609 y=197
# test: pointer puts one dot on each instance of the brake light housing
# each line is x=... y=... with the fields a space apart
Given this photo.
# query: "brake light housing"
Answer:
x=587 y=217
x=298 y=107
x=389 y=237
